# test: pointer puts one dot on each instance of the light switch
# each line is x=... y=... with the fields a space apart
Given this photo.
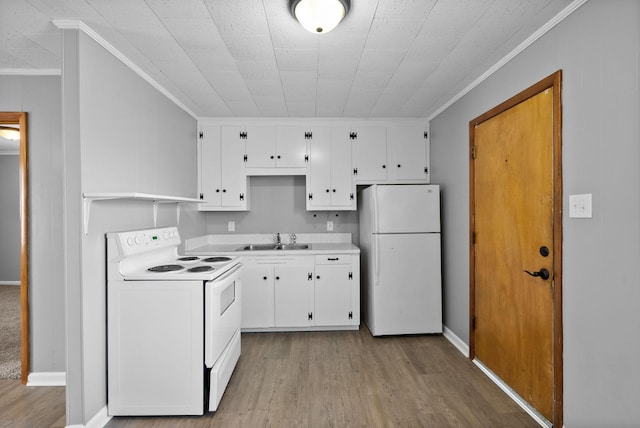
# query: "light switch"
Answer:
x=329 y=226
x=231 y=226
x=580 y=206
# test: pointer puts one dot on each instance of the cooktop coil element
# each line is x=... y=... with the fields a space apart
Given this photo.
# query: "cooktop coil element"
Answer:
x=217 y=259
x=165 y=268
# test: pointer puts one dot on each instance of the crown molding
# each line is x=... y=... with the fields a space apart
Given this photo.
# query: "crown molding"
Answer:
x=521 y=47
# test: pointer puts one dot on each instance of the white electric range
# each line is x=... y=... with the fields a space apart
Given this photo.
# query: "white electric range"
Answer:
x=173 y=325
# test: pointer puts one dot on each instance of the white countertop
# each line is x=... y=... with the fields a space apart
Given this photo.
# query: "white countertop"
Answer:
x=319 y=243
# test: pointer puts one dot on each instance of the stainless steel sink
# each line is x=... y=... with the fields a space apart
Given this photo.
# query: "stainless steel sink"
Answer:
x=258 y=247
x=267 y=247
x=292 y=247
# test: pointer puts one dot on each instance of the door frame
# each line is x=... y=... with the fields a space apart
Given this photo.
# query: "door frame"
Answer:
x=553 y=82
x=20 y=118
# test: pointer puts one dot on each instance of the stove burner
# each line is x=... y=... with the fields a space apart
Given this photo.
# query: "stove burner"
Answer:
x=217 y=259
x=165 y=268
x=188 y=259
x=200 y=269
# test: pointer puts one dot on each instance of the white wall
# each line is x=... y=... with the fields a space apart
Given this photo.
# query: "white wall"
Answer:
x=40 y=97
x=598 y=49
x=9 y=219
x=120 y=135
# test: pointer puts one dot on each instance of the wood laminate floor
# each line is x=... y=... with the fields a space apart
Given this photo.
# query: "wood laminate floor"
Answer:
x=31 y=406
x=351 y=379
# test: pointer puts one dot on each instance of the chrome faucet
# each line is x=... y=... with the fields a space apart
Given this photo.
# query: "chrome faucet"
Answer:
x=278 y=238
x=292 y=238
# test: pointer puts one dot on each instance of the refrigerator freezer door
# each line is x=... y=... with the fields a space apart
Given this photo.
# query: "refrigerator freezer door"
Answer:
x=406 y=208
x=405 y=296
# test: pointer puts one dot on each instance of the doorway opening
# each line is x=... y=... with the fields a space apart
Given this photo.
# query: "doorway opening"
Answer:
x=20 y=119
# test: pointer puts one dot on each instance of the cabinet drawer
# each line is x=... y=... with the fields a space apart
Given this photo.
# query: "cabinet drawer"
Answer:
x=333 y=259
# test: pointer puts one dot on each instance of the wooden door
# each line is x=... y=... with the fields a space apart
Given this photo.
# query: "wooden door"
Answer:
x=516 y=203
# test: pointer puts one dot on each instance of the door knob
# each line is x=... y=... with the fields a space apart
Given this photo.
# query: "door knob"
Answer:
x=542 y=273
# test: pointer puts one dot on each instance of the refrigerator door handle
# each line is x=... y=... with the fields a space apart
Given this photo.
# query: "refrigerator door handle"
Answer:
x=374 y=210
x=376 y=261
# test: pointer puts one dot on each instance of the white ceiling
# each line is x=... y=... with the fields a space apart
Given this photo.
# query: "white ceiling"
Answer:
x=250 y=58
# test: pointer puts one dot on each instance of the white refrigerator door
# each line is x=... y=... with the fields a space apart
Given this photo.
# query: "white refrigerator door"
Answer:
x=406 y=296
x=406 y=208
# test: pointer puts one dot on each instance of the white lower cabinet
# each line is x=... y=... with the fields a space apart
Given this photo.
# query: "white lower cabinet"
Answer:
x=301 y=292
x=294 y=293
x=337 y=290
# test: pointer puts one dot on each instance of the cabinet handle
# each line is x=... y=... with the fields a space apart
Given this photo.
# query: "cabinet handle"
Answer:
x=333 y=259
x=309 y=276
x=217 y=190
x=224 y=190
x=399 y=165
x=318 y=277
x=271 y=156
x=277 y=278
x=334 y=190
x=327 y=190
x=264 y=277
x=384 y=166
x=278 y=156
x=310 y=315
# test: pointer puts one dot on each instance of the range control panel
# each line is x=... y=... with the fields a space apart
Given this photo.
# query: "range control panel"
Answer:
x=141 y=241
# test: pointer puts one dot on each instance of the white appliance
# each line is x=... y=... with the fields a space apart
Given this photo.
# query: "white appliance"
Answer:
x=173 y=325
x=400 y=259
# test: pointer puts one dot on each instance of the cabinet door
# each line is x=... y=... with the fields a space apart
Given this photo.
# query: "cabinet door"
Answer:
x=260 y=145
x=369 y=147
x=257 y=296
x=209 y=165
x=234 y=181
x=407 y=153
x=342 y=184
x=291 y=147
x=333 y=295
x=319 y=173
x=293 y=295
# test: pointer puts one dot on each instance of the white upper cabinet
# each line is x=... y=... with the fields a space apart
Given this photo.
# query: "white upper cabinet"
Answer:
x=260 y=146
x=408 y=154
x=330 y=184
x=291 y=146
x=369 y=146
x=280 y=148
x=222 y=182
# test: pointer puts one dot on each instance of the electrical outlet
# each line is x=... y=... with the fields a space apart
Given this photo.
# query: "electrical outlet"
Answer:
x=231 y=226
x=329 y=226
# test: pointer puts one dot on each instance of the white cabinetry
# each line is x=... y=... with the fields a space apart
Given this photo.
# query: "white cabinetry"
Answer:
x=275 y=150
x=408 y=154
x=337 y=290
x=294 y=292
x=222 y=180
x=369 y=146
x=303 y=292
x=330 y=184
x=257 y=294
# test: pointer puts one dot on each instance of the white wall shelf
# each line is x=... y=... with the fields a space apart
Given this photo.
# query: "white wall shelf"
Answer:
x=89 y=198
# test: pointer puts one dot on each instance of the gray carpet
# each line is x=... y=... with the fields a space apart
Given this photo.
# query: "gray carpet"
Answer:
x=9 y=332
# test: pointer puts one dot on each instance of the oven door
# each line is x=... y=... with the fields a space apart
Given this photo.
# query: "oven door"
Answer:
x=222 y=313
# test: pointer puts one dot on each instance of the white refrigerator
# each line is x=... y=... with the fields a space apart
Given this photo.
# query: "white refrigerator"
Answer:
x=400 y=259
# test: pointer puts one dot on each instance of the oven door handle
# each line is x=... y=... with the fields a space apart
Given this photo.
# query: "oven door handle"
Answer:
x=228 y=273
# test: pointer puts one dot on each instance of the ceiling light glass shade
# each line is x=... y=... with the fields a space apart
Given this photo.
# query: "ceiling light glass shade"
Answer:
x=12 y=134
x=319 y=16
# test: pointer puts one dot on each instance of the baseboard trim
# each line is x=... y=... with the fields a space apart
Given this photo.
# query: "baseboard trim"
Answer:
x=455 y=341
x=99 y=420
x=514 y=395
x=47 y=379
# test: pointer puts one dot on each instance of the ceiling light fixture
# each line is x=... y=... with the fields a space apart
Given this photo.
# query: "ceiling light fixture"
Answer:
x=9 y=133
x=319 y=16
